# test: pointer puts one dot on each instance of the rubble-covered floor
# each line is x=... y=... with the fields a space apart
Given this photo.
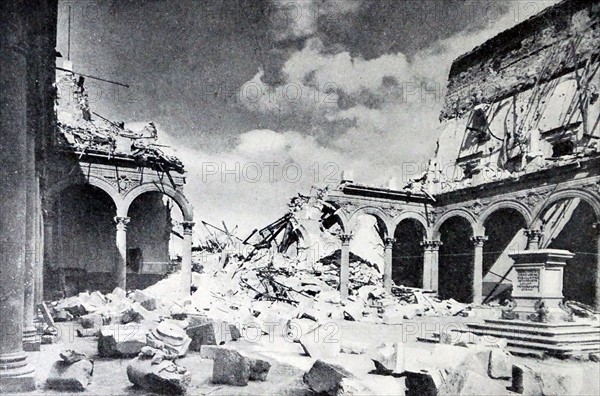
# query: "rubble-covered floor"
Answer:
x=287 y=359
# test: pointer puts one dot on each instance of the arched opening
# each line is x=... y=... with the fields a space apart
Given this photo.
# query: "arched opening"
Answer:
x=368 y=233
x=407 y=254
x=504 y=229
x=154 y=238
x=456 y=260
x=82 y=252
x=568 y=224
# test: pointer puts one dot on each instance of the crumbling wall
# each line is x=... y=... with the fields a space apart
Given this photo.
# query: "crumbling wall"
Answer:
x=523 y=101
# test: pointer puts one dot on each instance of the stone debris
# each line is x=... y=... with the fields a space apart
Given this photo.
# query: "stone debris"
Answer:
x=121 y=340
x=230 y=367
x=259 y=369
x=72 y=373
x=332 y=379
x=170 y=338
x=163 y=377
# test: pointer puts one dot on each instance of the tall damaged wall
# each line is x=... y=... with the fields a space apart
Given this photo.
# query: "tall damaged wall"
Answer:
x=511 y=100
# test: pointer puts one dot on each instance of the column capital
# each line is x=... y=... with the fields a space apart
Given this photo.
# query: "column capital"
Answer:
x=187 y=227
x=533 y=233
x=431 y=245
x=345 y=238
x=121 y=222
x=479 y=240
x=389 y=242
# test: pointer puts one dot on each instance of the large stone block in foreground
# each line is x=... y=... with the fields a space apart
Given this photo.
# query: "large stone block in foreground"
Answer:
x=65 y=376
x=165 y=377
x=121 y=340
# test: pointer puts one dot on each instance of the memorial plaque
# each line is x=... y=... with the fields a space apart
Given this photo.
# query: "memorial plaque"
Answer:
x=528 y=280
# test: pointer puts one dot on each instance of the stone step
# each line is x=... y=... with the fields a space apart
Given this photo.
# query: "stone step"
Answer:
x=563 y=339
x=581 y=329
x=533 y=324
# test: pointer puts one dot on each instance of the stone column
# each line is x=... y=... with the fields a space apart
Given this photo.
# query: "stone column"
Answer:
x=387 y=270
x=345 y=265
x=478 y=241
x=186 y=259
x=597 y=228
x=121 y=272
x=39 y=251
x=430 y=264
x=16 y=374
x=534 y=238
x=49 y=219
x=30 y=342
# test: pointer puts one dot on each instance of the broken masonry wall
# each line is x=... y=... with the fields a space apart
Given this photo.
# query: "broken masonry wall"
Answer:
x=512 y=99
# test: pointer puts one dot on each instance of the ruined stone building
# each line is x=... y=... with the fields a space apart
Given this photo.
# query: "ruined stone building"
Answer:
x=516 y=167
x=73 y=185
x=107 y=222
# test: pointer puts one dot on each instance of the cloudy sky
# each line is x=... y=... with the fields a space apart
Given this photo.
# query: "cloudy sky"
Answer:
x=262 y=99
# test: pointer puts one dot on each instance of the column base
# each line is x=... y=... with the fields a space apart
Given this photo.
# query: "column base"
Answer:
x=31 y=340
x=16 y=375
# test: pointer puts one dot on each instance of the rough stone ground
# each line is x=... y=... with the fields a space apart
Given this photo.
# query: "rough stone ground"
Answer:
x=286 y=357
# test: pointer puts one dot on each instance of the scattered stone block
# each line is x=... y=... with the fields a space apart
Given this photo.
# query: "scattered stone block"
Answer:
x=165 y=377
x=87 y=332
x=62 y=315
x=296 y=328
x=235 y=332
x=384 y=359
x=121 y=340
x=203 y=334
x=65 y=376
x=70 y=356
x=468 y=382
x=326 y=378
x=500 y=366
x=91 y=321
x=259 y=369
x=230 y=367
x=353 y=311
x=424 y=382
x=318 y=345
x=145 y=300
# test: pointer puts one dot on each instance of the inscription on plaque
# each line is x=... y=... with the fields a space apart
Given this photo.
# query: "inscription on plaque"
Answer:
x=528 y=280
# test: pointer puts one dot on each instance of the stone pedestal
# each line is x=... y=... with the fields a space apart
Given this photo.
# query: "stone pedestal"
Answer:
x=537 y=292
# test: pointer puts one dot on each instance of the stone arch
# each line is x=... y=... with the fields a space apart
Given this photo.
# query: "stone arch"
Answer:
x=378 y=214
x=178 y=197
x=99 y=182
x=505 y=204
x=418 y=217
x=460 y=212
x=342 y=219
x=592 y=199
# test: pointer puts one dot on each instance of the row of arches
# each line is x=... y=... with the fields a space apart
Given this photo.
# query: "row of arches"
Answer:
x=97 y=238
x=566 y=220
